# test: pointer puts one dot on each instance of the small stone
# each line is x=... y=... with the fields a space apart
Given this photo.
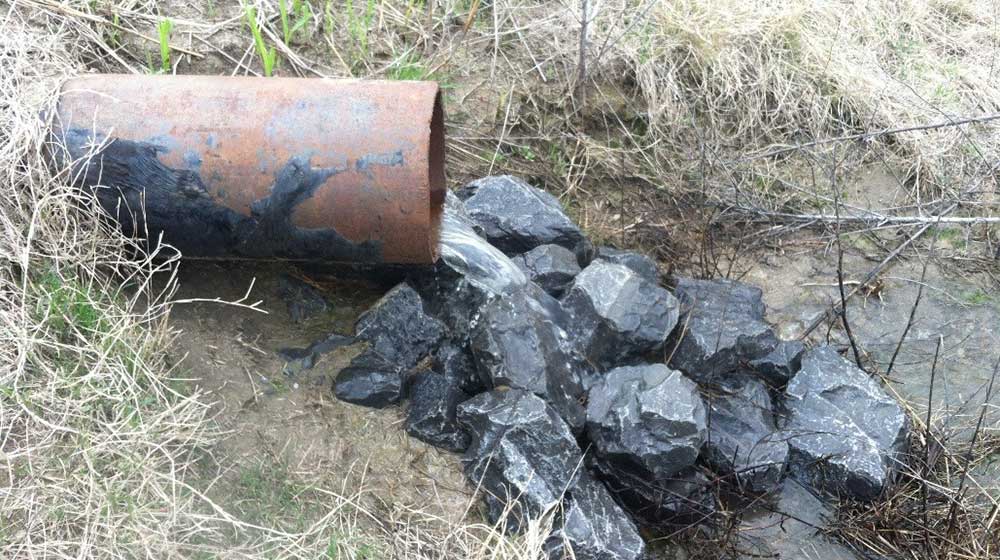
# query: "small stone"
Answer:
x=647 y=418
x=298 y=360
x=303 y=300
x=639 y=263
x=370 y=380
x=722 y=325
x=846 y=435
x=781 y=364
x=594 y=527
x=522 y=454
x=743 y=442
x=617 y=314
x=550 y=266
x=431 y=417
x=398 y=329
x=515 y=344
x=517 y=217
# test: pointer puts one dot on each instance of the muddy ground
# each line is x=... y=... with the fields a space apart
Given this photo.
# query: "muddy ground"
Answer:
x=291 y=426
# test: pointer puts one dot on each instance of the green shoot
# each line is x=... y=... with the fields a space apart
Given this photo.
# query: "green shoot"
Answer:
x=286 y=31
x=268 y=57
x=408 y=67
x=302 y=14
x=164 y=29
x=327 y=19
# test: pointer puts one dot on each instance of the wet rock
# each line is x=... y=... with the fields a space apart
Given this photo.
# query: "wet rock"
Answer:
x=398 y=329
x=455 y=360
x=649 y=419
x=522 y=454
x=517 y=217
x=303 y=301
x=783 y=362
x=370 y=380
x=515 y=344
x=639 y=263
x=550 y=266
x=594 y=527
x=743 y=442
x=431 y=416
x=846 y=435
x=469 y=274
x=617 y=314
x=683 y=499
x=722 y=325
x=298 y=360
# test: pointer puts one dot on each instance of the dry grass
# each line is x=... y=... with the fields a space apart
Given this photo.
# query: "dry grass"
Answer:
x=684 y=100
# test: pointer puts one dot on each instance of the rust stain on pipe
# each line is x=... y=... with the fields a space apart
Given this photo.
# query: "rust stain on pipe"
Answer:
x=329 y=170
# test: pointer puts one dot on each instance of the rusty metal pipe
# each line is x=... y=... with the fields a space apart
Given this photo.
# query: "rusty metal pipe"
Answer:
x=287 y=168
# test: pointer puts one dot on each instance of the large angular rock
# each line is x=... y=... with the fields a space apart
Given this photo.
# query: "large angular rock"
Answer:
x=370 y=380
x=515 y=344
x=781 y=364
x=639 y=263
x=683 y=499
x=617 y=314
x=550 y=266
x=648 y=419
x=397 y=328
x=722 y=325
x=846 y=435
x=522 y=455
x=455 y=360
x=431 y=417
x=517 y=217
x=594 y=527
x=743 y=442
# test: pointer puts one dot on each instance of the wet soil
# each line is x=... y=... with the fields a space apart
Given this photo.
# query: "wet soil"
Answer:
x=294 y=421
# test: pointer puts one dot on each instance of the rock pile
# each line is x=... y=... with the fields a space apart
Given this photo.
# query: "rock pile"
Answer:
x=566 y=407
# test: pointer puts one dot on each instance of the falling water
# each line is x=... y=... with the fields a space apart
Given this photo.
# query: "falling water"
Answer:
x=472 y=256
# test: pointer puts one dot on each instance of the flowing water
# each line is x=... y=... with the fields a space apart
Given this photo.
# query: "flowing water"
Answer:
x=473 y=257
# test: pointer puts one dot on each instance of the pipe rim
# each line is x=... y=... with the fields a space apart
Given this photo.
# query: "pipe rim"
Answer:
x=436 y=179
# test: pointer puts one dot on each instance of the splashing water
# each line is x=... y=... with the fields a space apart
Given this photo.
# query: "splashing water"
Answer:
x=482 y=264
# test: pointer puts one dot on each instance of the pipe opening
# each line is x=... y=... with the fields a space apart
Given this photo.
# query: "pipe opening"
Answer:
x=436 y=175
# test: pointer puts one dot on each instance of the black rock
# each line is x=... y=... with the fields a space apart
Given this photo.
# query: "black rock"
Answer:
x=522 y=454
x=617 y=314
x=515 y=344
x=398 y=329
x=517 y=217
x=743 y=443
x=550 y=266
x=722 y=325
x=298 y=360
x=639 y=263
x=649 y=419
x=781 y=364
x=431 y=417
x=594 y=527
x=370 y=380
x=303 y=301
x=683 y=499
x=846 y=435
x=455 y=360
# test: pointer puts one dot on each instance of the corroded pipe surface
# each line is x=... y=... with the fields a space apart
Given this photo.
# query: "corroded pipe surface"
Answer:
x=307 y=169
